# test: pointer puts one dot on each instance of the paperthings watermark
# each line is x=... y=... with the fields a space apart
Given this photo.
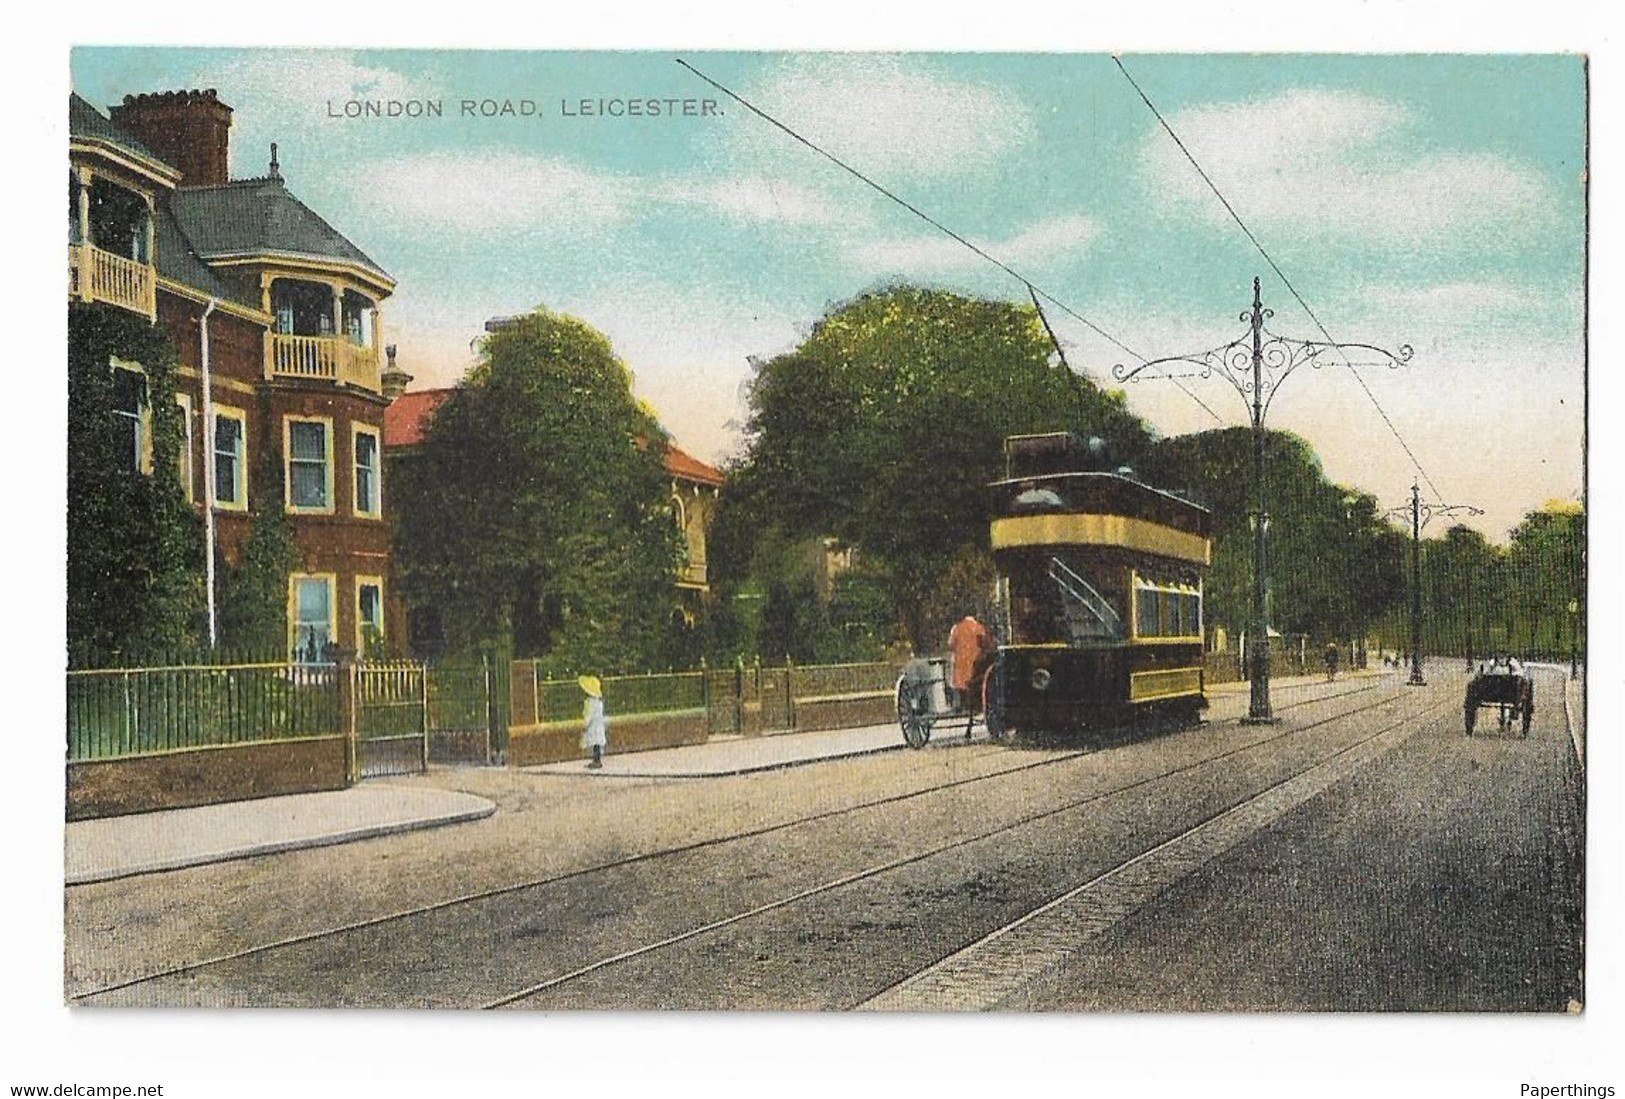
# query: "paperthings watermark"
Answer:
x=660 y=107
x=1566 y=1091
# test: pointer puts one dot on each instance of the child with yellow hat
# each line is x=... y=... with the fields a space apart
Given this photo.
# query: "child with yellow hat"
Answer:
x=596 y=734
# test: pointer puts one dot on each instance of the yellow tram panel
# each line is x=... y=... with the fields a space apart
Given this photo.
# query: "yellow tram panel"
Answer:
x=1087 y=529
x=1164 y=683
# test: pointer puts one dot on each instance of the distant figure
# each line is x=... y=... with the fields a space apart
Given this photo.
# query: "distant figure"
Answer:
x=595 y=735
x=1331 y=661
x=972 y=647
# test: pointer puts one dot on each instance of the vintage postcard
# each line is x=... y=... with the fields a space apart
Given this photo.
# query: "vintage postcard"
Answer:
x=897 y=533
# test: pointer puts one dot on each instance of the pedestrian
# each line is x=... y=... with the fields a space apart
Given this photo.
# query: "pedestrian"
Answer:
x=1331 y=661
x=595 y=735
x=973 y=647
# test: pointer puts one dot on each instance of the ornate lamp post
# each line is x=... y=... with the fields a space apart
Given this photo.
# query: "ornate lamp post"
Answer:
x=1420 y=514
x=1255 y=365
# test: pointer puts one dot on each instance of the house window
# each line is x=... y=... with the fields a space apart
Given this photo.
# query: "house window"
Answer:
x=130 y=415
x=231 y=458
x=358 y=313
x=366 y=472
x=184 y=459
x=76 y=230
x=311 y=618
x=310 y=467
x=369 y=615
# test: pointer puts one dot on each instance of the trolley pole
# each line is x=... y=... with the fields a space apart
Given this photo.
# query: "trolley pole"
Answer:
x=1420 y=514
x=1416 y=679
x=1255 y=365
x=1258 y=705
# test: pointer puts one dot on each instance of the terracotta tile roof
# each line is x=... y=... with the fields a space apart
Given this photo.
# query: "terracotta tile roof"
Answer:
x=406 y=421
x=689 y=468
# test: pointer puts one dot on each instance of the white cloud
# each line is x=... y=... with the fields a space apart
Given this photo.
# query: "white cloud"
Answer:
x=292 y=87
x=1042 y=242
x=887 y=116
x=493 y=192
x=1326 y=164
x=753 y=199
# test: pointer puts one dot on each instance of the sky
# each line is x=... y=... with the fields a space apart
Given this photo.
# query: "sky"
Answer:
x=1433 y=201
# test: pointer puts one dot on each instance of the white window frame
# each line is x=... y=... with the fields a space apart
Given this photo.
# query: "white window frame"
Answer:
x=326 y=424
x=377 y=470
x=240 y=467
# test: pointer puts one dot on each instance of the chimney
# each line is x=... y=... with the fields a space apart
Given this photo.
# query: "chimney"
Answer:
x=189 y=129
x=394 y=379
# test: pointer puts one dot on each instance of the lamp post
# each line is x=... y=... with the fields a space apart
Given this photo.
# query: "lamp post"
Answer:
x=1574 y=639
x=1420 y=514
x=1255 y=365
x=1356 y=522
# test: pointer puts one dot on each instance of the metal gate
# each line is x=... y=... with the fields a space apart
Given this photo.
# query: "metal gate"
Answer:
x=391 y=718
x=466 y=722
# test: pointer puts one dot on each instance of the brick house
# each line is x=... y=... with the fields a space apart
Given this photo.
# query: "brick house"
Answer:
x=274 y=315
x=694 y=488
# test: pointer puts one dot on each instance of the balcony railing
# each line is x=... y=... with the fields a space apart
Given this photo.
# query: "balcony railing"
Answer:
x=95 y=275
x=329 y=358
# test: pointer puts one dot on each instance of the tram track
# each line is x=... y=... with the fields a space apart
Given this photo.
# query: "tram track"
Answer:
x=893 y=865
x=1050 y=760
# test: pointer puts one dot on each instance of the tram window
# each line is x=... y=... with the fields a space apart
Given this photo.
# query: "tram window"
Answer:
x=1166 y=609
x=1170 y=614
x=1146 y=622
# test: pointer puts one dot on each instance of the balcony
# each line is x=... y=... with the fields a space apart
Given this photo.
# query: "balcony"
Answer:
x=692 y=574
x=322 y=358
x=97 y=275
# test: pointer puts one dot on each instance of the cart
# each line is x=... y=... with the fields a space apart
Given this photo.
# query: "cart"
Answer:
x=925 y=699
x=1510 y=689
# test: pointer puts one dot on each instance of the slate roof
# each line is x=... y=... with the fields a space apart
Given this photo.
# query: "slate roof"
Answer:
x=177 y=259
x=407 y=420
x=247 y=215
x=261 y=215
x=85 y=120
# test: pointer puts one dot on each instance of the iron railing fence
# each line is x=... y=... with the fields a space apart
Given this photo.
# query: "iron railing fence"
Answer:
x=655 y=693
x=139 y=711
x=829 y=680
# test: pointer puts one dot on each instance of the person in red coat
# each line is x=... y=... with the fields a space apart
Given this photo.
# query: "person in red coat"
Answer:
x=972 y=647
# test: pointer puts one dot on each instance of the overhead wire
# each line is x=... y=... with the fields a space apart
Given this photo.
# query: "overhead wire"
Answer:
x=1032 y=288
x=1415 y=461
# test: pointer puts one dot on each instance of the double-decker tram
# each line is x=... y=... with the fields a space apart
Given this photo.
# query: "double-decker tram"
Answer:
x=1100 y=586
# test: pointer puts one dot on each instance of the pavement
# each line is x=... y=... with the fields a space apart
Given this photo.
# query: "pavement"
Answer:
x=145 y=843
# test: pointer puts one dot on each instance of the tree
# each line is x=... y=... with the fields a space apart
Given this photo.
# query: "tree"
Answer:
x=135 y=548
x=884 y=426
x=254 y=592
x=538 y=506
x=1334 y=568
x=1546 y=572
